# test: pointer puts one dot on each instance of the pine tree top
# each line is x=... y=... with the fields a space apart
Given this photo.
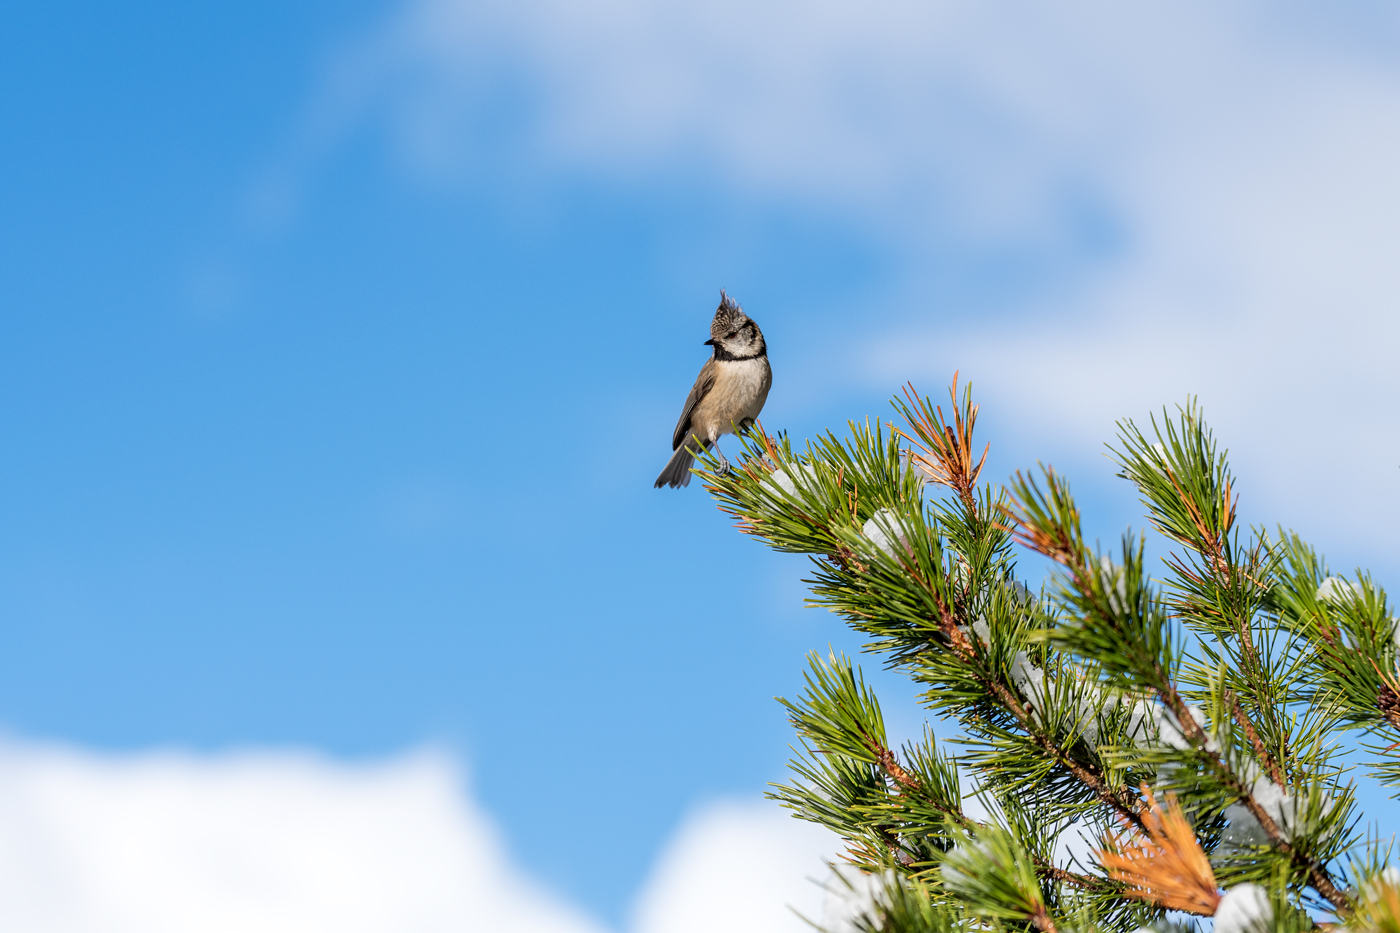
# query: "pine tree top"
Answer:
x=1190 y=729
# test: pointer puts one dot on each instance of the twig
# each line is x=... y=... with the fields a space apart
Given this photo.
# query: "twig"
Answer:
x=1088 y=778
x=1252 y=734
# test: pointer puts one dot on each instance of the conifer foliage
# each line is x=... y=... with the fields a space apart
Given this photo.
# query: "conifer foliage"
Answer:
x=1189 y=728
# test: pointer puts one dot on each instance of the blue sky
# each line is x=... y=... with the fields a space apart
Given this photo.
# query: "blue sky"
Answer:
x=342 y=343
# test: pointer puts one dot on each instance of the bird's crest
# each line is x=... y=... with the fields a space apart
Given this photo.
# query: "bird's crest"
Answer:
x=728 y=316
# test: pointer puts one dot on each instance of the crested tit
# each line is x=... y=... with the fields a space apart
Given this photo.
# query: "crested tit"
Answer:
x=727 y=395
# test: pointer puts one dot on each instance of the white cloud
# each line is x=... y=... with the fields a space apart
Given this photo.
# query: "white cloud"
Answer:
x=1243 y=152
x=1258 y=190
x=159 y=842
x=738 y=867
x=267 y=842
x=884 y=108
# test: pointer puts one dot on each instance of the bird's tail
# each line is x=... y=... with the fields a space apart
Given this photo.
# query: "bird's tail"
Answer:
x=677 y=470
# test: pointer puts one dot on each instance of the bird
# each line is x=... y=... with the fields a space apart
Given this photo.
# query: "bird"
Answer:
x=727 y=395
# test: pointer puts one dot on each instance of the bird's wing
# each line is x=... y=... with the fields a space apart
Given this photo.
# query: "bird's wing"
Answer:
x=703 y=383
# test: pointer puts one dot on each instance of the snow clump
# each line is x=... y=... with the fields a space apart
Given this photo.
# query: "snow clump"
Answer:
x=875 y=529
x=1245 y=908
x=1336 y=590
x=780 y=478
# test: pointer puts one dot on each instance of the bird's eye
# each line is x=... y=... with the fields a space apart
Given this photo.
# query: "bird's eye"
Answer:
x=732 y=333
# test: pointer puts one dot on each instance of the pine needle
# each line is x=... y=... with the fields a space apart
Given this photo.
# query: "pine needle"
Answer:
x=1167 y=866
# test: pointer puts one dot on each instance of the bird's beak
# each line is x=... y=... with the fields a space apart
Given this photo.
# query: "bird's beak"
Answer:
x=710 y=342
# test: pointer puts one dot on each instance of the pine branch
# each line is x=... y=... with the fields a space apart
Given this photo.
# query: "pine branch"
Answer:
x=1086 y=776
x=941 y=449
x=1260 y=752
x=911 y=786
x=1127 y=640
x=1069 y=701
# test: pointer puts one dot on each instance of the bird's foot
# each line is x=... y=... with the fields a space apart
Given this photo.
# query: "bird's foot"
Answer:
x=724 y=468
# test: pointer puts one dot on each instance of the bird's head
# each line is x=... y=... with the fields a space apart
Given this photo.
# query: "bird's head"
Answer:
x=732 y=333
